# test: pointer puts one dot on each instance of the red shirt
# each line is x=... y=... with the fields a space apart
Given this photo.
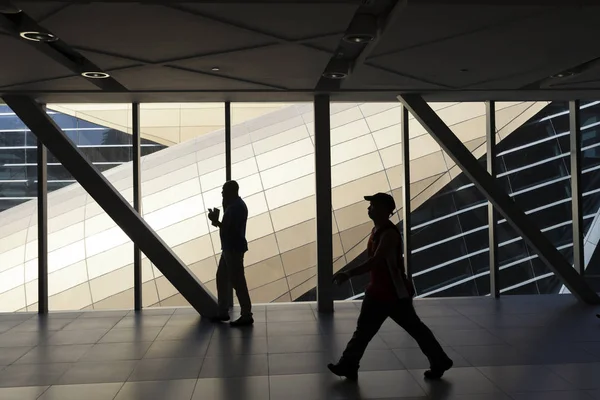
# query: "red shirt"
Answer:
x=381 y=285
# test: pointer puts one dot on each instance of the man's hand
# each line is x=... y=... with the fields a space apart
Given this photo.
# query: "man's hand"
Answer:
x=213 y=215
x=341 y=277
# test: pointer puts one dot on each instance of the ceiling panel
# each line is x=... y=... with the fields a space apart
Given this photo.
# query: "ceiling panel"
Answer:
x=22 y=63
x=165 y=78
x=40 y=9
x=65 y=84
x=536 y=44
x=288 y=21
x=146 y=32
x=290 y=66
x=420 y=25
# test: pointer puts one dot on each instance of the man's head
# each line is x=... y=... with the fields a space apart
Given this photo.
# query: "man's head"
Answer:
x=381 y=208
x=230 y=191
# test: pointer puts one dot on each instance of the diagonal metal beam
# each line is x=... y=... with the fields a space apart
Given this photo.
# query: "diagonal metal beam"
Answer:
x=502 y=202
x=111 y=201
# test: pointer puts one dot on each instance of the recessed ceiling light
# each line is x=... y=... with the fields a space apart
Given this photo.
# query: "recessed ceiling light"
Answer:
x=215 y=69
x=334 y=75
x=359 y=38
x=38 y=36
x=95 y=75
x=563 y=74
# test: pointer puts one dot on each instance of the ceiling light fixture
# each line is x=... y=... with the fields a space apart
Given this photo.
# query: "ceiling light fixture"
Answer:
x=334 y=75
x=95 y=75
x=215 y=69
x=362 y=29
x=563 y=74
x=38 y=36
x=337 y=69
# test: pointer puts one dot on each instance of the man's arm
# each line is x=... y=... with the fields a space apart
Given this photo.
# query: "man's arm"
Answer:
x=387 y=244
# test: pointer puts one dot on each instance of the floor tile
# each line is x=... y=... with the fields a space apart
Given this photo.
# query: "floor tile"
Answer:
x=9 y=355
x=115 y=314
x=398 y=340
x=88 y=336
x=98 y=372
x=242 y=388
x=456 y=381
x=236 y=365
x=142 y=321
x=525 y=378
x=380 y=360
x=116 y=351
x=336 y=326
x=582 y=376
x=290 y=316
x=554 y=395
x=223 y=345
x=307 y=386
x=145 y=334
x=83 y=323
x=181 y=389
x=491 y=355
x=55 y=354
x=457 y=322
x=293 y=328
x=155 y=311
x=301 y=344
x=177 y=349
x=255 y=330
x=156 y=369
x=299 y=363
x=21 y=339
x=381 y=384
x=415 y=359
x=8 y=325
x=94 y=391
x=33 y=375
x=473 y=337
x=42 y=324
x=22 y=393
x=185 y=332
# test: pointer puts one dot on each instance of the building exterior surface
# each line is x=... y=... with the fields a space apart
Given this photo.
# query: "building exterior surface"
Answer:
x=91 y=259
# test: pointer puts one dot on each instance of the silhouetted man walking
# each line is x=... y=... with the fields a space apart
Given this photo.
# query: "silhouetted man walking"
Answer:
x=389 y=294
x=230 y=272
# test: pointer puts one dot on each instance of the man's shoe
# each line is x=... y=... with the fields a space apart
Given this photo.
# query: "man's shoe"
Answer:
x=221 y=318
x=437 y=371
x=242 y=321
x=344 y=370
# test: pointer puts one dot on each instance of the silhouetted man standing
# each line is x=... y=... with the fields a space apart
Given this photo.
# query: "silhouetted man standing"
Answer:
x=230 y=272
x=389 y=294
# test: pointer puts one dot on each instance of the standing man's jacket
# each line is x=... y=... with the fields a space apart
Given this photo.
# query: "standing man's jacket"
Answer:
x=233 y=227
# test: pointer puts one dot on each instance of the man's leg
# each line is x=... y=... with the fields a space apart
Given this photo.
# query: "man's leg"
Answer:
x=223 y=289
x=372 y=315
x=404 y=314
x=238 y=281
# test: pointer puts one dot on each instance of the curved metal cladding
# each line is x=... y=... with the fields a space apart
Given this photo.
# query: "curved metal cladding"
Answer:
x=91 y=260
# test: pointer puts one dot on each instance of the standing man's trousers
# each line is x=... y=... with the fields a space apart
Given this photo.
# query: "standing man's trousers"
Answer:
x=230 y=274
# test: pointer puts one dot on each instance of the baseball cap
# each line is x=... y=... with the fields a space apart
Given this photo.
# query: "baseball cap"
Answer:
x=384 y=199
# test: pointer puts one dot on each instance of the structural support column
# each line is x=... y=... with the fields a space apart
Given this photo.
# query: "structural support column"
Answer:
x=490 y=126
x=406 y=197
x=137 y=203
x=576 y=202
x=227 y=141
x=228 y=176
x=323 y=194
x=502 y=202
x=111 y=201
x=42 y=224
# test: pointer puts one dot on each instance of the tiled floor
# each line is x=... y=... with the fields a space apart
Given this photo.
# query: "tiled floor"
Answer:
x=521 y=347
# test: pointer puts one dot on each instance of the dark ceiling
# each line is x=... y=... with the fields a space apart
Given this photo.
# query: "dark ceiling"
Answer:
x=166 y=50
